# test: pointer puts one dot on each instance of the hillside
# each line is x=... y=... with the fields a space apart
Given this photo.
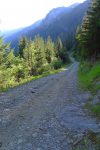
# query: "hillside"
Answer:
x=57 y=22
x=50 y=100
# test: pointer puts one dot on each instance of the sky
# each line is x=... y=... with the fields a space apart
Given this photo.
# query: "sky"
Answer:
x=20 y=13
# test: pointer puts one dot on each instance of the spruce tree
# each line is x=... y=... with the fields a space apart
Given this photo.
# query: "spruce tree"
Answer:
x=89 y=35
x=58 y=47
x=28 y=54
x=21 y=46
x=40 y=59
x=49 y=50
x=4 y=49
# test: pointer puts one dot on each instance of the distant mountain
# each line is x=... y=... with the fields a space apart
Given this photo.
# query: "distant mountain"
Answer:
x=61 y=21
x=14 y=35
x=9 y=33
x=54 y=13
x=32 y=27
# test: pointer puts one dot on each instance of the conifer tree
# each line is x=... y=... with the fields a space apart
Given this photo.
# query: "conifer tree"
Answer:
x=89 y=35
x=28 y=54
x=4 y=49
x=22 y=44
x=58 y=47
x=40 y=59
x=49 y=50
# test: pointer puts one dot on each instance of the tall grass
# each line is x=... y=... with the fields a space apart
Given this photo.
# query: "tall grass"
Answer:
x=89 y=76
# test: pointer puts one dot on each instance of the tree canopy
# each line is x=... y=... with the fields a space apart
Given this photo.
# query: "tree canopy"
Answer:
x=89 y=33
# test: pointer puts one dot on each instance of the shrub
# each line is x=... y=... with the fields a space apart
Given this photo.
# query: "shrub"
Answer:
x=57 y=64
x=44 y=69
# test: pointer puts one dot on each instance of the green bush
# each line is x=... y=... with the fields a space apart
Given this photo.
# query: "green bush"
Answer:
x=44 y=69
x=57 y=64
x=64 y=56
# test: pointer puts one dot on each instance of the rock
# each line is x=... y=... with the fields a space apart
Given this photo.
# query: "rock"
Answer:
x=0 y=144
x=29 y=146
x=38 y=148
x=5 y=120
x=33 y=92
x=47 y=135
x=98 y=83
x=19 y=147
x=34 y=135
x=20 y=141
x=96 y=99
x=36 y=87
x=0 y=120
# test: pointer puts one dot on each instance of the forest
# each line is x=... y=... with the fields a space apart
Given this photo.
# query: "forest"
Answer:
x=87 y=52
x=50 y=82
x=88 y=34
x=38 y=56
x=34 y=58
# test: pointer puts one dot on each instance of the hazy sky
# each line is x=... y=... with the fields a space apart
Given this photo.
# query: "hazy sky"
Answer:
x=19 y=13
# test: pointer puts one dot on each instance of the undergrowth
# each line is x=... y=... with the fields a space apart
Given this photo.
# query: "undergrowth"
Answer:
x=32 y=78
x=90 y=142
x=95 y=109
x=89 y=76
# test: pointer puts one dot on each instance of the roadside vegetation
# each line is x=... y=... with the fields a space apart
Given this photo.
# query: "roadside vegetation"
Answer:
x=95 y=109
x=34 y=60
x=88 y=52
x=89 y=76
x=90 y=141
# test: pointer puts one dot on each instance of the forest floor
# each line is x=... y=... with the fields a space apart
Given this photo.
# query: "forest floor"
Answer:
x=47 y=114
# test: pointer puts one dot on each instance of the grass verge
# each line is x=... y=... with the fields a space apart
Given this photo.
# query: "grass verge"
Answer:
x=90 y=141
x=89 y=76
x=95 y=109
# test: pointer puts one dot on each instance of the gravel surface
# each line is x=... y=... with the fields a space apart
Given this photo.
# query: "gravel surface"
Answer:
x=46 y=114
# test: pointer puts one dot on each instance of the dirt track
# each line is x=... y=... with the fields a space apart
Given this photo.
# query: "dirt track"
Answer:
x=46 y=114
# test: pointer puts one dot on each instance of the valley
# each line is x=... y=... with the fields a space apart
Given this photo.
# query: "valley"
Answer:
x=50 y=78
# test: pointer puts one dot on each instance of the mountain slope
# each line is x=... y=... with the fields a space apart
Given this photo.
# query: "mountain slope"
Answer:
x=61 y=22
x=56 y=12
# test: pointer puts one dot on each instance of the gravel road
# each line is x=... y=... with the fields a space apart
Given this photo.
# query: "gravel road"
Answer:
x=46 y=114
